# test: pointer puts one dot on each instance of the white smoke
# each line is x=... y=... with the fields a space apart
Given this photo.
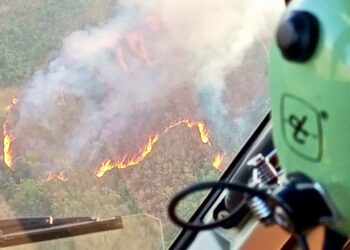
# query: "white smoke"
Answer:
x=116 y=75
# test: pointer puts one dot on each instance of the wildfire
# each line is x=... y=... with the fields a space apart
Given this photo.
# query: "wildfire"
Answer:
x=217 y=160
x=8 y=137
x=203 y=131
x=50 y=177
x=108 y=165
x=13 y=103
x=60 y=176
x=7 y=146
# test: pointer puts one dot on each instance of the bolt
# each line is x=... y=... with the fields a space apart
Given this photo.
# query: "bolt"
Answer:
x=223 y=214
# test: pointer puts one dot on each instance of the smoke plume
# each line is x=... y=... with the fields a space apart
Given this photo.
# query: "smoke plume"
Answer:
x=112 y=83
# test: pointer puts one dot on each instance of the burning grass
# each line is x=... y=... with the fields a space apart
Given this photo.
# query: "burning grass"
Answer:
x=125 y=162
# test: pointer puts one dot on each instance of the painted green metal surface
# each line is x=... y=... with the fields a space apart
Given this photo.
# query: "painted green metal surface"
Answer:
x=311 y=106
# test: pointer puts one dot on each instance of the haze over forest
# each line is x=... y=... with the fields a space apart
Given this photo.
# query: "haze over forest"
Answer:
x=95 y=81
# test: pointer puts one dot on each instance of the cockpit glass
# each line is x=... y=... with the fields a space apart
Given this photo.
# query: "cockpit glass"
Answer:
x=108 y=108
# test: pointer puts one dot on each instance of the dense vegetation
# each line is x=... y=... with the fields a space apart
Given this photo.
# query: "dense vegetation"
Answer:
x=31 y=33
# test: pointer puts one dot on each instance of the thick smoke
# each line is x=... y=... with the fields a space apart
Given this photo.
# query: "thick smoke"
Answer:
x=112 y=82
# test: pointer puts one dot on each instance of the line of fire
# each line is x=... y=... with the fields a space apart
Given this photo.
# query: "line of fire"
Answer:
x=109 y=164
x=134 y=43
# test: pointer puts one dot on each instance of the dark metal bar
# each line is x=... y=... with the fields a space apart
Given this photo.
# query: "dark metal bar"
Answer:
x=23 y=224
x=62 y=231
x=20 y=224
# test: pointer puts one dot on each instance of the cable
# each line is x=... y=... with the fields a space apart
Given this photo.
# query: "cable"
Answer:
x=209 y=185
x=301 y=239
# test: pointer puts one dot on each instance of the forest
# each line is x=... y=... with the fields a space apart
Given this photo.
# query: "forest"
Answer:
x=31 y=35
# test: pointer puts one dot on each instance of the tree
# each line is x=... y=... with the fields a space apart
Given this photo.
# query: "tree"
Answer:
x=31 y=199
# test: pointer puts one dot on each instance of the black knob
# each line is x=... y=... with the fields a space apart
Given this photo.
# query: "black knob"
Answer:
x=298 y=35
x=287 y=2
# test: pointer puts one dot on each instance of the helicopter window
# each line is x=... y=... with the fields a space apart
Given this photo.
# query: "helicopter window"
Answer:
x=108 y=109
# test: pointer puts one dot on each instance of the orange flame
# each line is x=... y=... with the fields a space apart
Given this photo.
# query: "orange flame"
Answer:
x=108 y=165
x=125 y=162
x=50 y=177
x=203 y=133
x=13 y=103
x=8 y=138
x=60 y=176
x=7 y=146
x=217 y=160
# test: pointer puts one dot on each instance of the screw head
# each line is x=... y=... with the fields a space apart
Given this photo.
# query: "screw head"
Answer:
x=223 y=214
